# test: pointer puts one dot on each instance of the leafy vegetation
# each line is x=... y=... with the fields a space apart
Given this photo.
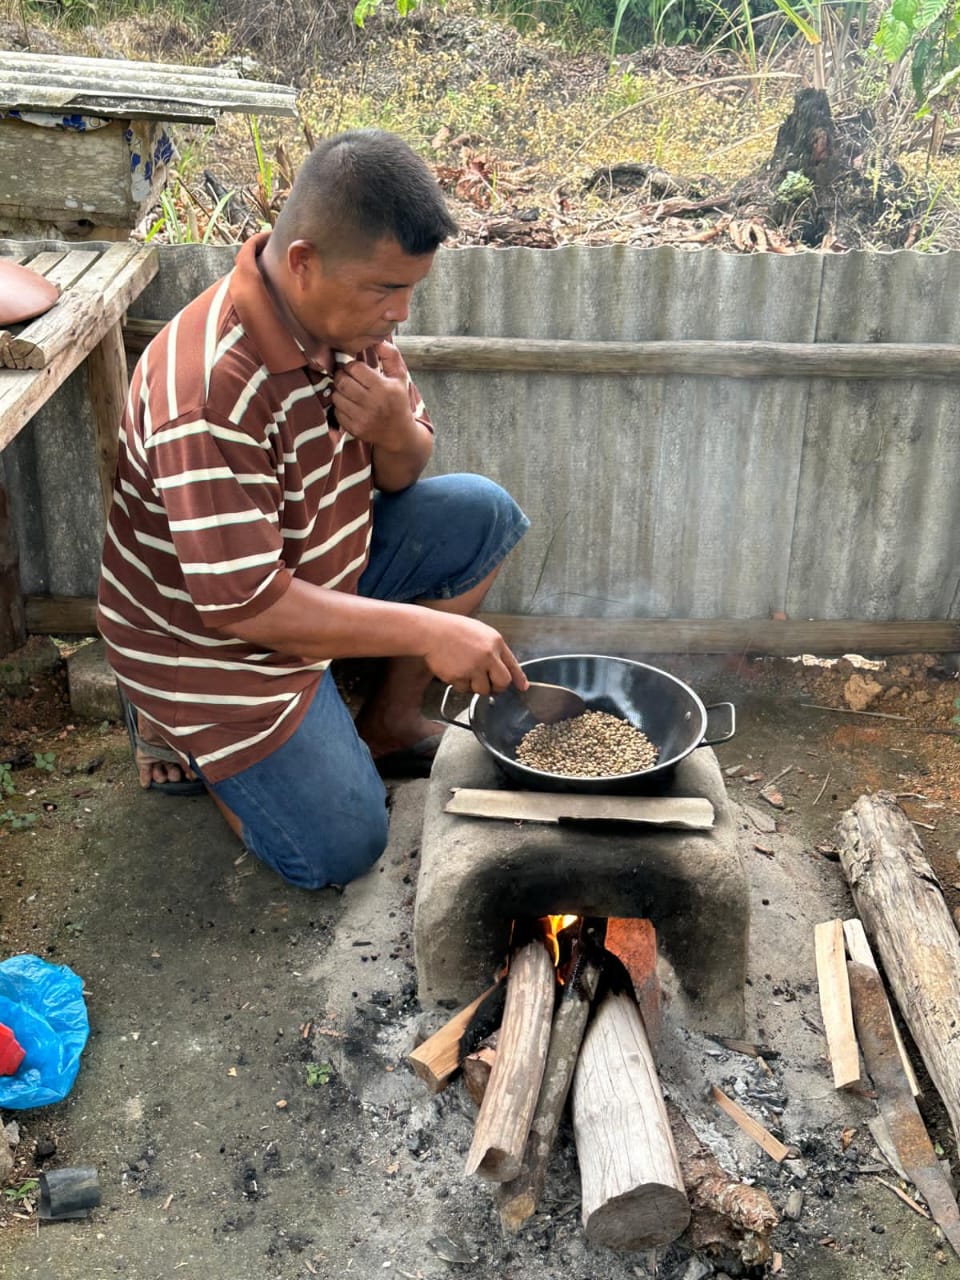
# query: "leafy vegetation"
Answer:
x=518 y=104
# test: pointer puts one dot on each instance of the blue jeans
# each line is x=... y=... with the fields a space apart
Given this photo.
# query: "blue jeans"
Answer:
x=315 y=809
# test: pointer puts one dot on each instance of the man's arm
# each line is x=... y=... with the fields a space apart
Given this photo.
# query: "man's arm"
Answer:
x=314 y=622
x=374 y=406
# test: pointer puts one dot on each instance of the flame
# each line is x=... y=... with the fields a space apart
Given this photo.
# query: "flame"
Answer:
x=553 y=927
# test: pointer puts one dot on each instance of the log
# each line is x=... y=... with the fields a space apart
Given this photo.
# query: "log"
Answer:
x=835 y=1004
x=503 y=1124
x=901 y=904
x=519 y=1198
x=435 y=1061
x=693 y=357
x=632 y=1187
x=629 y=637
x=634 y=943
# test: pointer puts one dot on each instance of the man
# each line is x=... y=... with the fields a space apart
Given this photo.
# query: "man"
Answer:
x=246 y=547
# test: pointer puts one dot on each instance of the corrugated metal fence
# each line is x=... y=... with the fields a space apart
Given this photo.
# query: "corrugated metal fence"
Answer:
x=661 y=495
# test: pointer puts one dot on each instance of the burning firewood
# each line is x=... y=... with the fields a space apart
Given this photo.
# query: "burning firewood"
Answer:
x=508 y=1105
x=518 y=1199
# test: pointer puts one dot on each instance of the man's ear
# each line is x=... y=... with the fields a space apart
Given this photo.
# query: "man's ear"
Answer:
x=302 y=258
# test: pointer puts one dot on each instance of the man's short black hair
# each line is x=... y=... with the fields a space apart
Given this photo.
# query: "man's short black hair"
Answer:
x=362 y=186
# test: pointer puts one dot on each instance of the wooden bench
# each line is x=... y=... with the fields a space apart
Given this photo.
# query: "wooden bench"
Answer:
x=83 y=327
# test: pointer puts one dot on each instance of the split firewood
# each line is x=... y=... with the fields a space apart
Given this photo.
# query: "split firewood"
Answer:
x=724 y=1210
x=900 y=902
x=503 y=1124
x=438 y=1057
x=478 y=1065
x=634 y=943
x=835 y=1004
x=632 y=1188
x=858 y=948
x=519 y=1198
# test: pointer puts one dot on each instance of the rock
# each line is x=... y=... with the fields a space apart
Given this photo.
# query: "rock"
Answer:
x=860 y=692
x=794 y=1206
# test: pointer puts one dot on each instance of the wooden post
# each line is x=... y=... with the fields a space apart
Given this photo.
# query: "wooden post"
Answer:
x=503 y=1124
x=901 y=904
x=13 y=625
x=108 y=385
x=632 y=1187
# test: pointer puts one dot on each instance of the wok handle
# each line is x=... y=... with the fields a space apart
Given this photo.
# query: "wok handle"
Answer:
x=457 y=724
x=724 y=737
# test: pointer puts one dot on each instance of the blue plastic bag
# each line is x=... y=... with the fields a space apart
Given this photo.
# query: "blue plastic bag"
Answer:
x=43 y=1006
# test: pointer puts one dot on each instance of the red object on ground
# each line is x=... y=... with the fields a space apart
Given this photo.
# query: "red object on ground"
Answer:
x=11 y=1053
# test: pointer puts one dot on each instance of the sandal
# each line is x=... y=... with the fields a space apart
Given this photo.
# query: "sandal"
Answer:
x=186 y=786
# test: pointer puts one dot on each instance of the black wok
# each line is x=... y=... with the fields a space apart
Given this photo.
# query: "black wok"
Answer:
x=661 y=706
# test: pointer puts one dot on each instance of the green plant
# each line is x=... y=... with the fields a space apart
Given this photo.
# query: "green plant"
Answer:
x=23 y=1192
x=366 y=8
x=927 y=33
x=318 y=1073
x=795 y=188
x=17 y=821
x=45 y=760
x=7 y=785
x=956 y=718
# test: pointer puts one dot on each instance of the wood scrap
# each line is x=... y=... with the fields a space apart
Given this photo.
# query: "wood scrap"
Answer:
x=435 y=1061
x=774 y=1148
x=477 y=1067
x=835 y=1004
x=634 y=943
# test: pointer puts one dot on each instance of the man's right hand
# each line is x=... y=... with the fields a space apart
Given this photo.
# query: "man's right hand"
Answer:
x=471 y=656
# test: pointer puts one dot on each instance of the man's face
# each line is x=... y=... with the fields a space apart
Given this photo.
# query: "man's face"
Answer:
x=350 y=305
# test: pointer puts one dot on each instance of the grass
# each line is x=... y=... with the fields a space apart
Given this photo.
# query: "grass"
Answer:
x=539 y=121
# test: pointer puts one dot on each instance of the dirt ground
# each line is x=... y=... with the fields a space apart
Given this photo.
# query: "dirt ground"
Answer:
x=244 y=1095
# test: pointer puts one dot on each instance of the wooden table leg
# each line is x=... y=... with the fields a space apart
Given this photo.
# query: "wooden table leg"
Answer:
x=13 y=626
x=107 y=380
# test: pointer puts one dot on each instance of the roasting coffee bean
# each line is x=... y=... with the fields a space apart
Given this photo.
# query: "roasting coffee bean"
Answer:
x=593 y=745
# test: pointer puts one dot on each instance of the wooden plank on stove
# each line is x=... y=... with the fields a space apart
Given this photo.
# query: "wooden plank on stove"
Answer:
x=835 y=1003
x=632 y=1188
x=691 y=812
x=503 y=1123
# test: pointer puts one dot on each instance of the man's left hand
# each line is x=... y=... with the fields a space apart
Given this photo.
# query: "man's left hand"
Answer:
x=373 y=404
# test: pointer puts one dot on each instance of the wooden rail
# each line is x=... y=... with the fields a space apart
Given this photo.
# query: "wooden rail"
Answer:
x=629 y=637
x=874 y=360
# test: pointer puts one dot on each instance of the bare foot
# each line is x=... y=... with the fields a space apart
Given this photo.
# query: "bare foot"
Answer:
x=385 y=736
x=156 y=766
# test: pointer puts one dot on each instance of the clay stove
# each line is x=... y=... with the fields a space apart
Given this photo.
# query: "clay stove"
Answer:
x=478 y=874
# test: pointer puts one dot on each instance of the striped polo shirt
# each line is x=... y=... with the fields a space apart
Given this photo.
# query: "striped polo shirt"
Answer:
x=233 y=478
